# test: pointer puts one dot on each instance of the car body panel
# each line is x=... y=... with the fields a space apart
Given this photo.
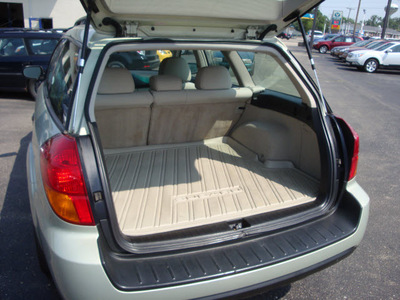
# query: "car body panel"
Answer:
x=223 y=19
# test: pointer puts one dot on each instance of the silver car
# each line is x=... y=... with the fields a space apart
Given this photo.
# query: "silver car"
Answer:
x=196 y=178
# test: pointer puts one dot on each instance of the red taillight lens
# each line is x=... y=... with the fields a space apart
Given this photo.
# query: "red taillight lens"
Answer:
x=63 y=180
x=354 y=157
x=353 y=142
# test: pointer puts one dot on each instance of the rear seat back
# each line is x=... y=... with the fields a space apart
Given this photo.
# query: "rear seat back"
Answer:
x=193 y=115
x=177 y=66
x=122 y=114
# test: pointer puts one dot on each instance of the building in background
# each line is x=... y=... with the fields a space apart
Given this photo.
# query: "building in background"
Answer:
x=40 y=14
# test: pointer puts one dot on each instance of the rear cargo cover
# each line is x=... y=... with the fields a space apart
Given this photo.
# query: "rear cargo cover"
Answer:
x=193 y=18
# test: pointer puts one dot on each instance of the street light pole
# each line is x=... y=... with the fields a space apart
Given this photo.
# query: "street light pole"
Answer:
x=386 y=20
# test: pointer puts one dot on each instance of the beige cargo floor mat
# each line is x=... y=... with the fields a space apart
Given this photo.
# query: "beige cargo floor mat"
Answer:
x=162 y=188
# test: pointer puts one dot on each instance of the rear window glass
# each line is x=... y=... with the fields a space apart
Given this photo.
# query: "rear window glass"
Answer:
x=12 y=47
x=384 y=47
x=61 y=76
x=141 y=64
x=268 y=73
x=42 y=46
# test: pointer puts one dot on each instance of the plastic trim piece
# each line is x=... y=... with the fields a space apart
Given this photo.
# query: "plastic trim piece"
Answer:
x=131 y=272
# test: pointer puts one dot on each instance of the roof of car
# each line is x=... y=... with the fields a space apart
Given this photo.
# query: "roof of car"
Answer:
x=29 y=33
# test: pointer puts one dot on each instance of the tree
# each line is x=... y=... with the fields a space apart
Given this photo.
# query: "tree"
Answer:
x=319 y=25
x=394 y=23
x=374 y=21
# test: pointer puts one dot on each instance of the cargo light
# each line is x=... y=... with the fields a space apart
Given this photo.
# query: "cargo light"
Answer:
x=63 y=180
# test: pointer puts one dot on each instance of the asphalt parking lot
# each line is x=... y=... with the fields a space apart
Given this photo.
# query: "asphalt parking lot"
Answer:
x=369 y=102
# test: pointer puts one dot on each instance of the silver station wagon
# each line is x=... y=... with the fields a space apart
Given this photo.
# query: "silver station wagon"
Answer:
x=210 y=172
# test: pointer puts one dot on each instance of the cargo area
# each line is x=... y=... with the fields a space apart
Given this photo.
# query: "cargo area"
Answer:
x=162 y=188
x=182 y=154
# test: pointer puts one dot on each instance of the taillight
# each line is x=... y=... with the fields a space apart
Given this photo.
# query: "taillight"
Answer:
x=353 y=142
x=63 y=180
x=354 y=157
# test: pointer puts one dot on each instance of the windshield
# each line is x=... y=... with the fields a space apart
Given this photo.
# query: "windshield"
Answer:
x=384 y=47
x=376 y=45
x=361 y=43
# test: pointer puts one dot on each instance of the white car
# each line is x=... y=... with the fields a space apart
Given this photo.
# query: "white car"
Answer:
x=317 y=35
x=216 y=173
x=386 y=56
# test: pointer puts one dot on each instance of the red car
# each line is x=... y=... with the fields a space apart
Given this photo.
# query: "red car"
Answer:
x=325 y=46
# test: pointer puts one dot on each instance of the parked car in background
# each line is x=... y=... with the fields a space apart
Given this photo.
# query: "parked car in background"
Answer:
x=19 y=48
x=317 y=35
x=386 y=56
x=142 y=64
x=284 y=35
x=325 y=46
x=339 y=49
x=374 y=45
x=212 y=186
x=163 y=54
x=326 y=37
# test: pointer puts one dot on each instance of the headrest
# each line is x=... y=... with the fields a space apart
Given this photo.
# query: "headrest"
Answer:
x=213 y=78
x=176 y=66
x=165 y=83
x=116 y=81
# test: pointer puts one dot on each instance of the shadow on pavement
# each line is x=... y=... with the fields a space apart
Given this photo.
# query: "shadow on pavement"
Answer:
x=16 y=95
x=20 y=274
x=276 y=294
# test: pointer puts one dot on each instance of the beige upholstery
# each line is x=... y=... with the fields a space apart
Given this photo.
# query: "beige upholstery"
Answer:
x=177 y=66
x=165 y=83
x=213 y=78
x=116 y=81
x=194 y=115
x=122 y=114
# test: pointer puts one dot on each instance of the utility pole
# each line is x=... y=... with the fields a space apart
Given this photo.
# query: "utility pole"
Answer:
x=386 y=20
x=355 y=22
x=348 y=17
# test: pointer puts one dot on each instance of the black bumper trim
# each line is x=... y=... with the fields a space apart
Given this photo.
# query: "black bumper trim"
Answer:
x=132 y=272
x=266 y=286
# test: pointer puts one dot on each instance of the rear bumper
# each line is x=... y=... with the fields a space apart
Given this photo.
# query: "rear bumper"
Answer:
x=83 y=267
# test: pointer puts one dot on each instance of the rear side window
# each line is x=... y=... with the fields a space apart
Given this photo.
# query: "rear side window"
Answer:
x=267 y=73
x=41 y=46
x=61 y=76
x=12 y=47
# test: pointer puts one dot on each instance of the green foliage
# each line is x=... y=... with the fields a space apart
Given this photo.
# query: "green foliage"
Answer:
x=319 y=25
x=394 y=23
x=374 y=21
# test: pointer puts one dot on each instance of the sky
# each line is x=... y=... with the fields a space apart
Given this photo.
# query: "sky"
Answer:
x=372 y=7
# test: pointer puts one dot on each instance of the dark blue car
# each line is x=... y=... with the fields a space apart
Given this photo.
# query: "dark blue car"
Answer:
x=20 y=48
